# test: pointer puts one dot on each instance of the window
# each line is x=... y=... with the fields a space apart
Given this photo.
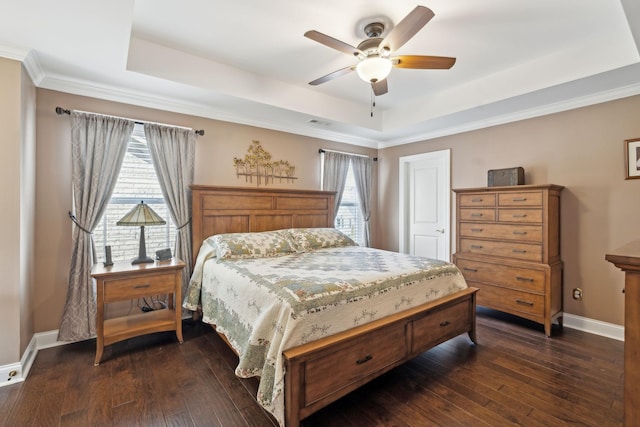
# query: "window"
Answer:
x=349 y=218
x=137 y=181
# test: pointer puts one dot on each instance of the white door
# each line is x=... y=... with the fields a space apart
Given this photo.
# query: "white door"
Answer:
x=425 y=200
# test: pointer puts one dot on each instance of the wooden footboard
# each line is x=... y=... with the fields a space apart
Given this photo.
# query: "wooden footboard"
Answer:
x=323 y=371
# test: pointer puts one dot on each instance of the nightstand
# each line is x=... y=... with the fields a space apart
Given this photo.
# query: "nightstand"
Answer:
x=123 y=281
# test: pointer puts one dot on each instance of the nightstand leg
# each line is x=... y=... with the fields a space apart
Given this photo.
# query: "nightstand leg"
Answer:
x=99 y=350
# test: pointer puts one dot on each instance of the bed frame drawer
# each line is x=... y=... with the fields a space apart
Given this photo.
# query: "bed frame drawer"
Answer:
x=348 y=364
x=439 y=326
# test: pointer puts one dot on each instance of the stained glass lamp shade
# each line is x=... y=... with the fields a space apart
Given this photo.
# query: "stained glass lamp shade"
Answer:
x=141 y=215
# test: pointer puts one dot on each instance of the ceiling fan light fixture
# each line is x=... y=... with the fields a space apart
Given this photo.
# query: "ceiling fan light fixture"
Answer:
x=374 y=69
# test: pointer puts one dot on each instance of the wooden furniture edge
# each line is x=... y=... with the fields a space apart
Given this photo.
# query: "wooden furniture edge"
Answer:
x=296 y=357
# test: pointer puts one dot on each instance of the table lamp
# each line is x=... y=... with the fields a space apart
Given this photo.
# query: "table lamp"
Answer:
x=141 y=215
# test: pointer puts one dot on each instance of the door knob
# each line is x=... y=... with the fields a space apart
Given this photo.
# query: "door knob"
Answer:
x=440 y=230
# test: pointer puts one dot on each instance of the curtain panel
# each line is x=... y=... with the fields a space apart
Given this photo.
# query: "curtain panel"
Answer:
x=334 y=177
x=362 y=171
x=98 y=146
x=173 y=153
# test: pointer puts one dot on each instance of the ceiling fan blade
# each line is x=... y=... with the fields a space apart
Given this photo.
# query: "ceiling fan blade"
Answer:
x=423 y=62
x=407 y=28
x=332 y=43
x=380 y=88
x=331 y=76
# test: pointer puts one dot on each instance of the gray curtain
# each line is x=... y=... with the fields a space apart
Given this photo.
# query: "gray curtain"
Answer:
x=362 y=167
x=173 y=152
x=98 y=146
x=336 y=167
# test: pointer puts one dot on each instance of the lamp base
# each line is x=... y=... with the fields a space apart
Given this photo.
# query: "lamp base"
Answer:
x=144 y=260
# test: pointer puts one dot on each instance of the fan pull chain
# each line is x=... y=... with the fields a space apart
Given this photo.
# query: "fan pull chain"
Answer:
x=373 y=100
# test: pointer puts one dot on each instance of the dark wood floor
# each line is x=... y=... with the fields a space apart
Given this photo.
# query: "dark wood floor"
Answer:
x=515 y=376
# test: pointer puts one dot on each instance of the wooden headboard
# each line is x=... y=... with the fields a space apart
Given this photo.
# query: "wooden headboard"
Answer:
x=217 y=210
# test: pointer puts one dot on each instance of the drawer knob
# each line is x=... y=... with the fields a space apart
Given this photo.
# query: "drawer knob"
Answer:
x=445 y=323
x=141 y=286
x=476 y=215
x=364 y=359
x=519 y=215
x=522 y=302
x=524 y=279
x=476 y=200
x=476 y=246
x=519 y=251
x=474 y=270
x=519 y=233
x=477 y=230
x=520 y=199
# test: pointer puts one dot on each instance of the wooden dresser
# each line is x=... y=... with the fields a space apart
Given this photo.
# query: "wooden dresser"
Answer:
x=627 y=258
x=508 y=246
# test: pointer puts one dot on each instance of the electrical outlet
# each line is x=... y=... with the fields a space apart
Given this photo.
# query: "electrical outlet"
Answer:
x=577 y=293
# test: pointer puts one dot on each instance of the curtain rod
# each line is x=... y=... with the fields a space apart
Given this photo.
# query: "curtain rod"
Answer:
x=323 y=150
x=60 y=111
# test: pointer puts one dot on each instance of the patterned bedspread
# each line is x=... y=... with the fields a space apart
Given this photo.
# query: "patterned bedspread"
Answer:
x=267 y=305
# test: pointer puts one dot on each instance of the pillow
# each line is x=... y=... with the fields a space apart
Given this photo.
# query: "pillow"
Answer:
x=316 y=238
x=253 y=245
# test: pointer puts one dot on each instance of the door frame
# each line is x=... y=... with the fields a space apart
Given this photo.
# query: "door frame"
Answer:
x=403 y=205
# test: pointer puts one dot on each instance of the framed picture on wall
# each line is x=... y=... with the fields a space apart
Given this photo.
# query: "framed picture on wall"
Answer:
x=632 y=158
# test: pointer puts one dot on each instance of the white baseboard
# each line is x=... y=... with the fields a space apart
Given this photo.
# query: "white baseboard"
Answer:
x=596 y=327
x=17 y=372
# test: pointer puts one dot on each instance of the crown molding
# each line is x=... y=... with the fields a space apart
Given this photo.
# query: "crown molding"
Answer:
x=116 y=94
x=557 y=107
x=15 y=53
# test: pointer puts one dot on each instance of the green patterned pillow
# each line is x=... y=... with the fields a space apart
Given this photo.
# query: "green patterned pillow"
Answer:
x=316 y=238
x=253 y=245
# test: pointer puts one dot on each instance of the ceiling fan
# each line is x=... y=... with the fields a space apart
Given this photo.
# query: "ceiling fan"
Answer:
x=375 y=52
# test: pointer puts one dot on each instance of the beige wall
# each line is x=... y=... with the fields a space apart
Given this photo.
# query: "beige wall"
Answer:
x=17 y=174
x=214 y=155
x=580 y=149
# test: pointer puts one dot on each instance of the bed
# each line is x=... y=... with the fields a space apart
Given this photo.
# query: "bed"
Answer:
x=322 y=324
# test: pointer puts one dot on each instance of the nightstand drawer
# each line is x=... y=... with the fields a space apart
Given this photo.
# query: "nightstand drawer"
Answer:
x=138 y=287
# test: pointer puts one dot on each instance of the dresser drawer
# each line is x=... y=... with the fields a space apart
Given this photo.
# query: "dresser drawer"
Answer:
x=138 y=287
x=509 y=300
x=450 y=321
x=478 y=215
x=348 y=364
x=477 y=200
x=525 y=279
x=523 y=251
x=528 y=216
x=528 y=198
x=526 y=233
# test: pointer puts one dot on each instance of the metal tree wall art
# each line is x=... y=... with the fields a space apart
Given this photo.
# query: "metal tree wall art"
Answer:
x=257 y=163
